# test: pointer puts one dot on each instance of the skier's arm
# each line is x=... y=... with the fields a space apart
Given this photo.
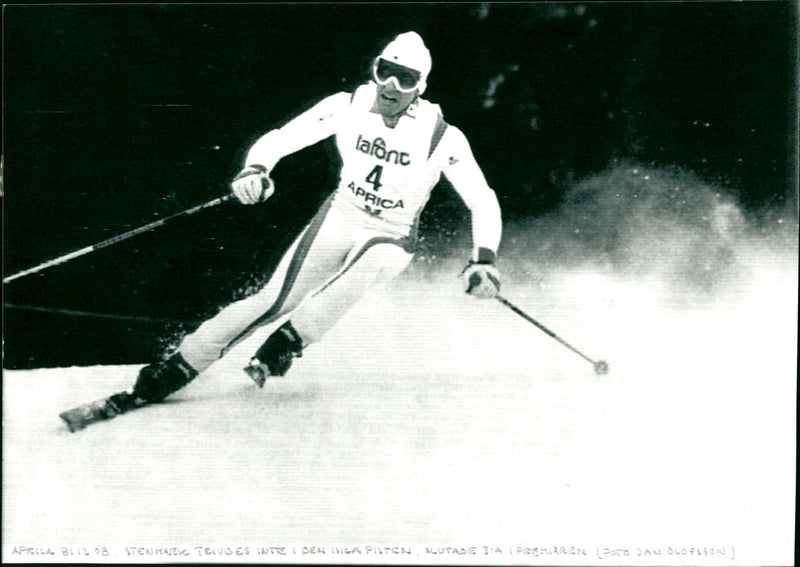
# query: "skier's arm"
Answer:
x=481 y=278
x=313 y=125
x=253 y=184
x=468 y=180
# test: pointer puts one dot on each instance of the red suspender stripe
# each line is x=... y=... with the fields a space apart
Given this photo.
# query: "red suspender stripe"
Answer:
x=438 y=132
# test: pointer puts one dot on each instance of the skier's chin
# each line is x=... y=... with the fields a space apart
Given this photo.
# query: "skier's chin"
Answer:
x=390 y=103
x=387 y=101
x=389 y=107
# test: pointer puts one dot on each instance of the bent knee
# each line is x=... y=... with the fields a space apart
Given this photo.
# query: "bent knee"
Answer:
x=383 y=262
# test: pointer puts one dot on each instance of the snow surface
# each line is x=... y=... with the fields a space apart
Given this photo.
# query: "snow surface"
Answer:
x=455 y=427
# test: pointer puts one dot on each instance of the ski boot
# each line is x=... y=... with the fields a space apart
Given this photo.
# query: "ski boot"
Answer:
x=158 y=380
x=274 y=358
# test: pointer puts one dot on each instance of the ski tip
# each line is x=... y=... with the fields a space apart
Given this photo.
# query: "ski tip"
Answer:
x=72 y=424
x=99 y=410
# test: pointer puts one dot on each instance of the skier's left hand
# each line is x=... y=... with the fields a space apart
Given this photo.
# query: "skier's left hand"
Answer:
x=481 y=280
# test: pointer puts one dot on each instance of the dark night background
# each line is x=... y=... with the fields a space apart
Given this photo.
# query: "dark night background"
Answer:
x=115 y=116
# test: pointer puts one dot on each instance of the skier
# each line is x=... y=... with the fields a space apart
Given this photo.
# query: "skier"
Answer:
x=394 y=147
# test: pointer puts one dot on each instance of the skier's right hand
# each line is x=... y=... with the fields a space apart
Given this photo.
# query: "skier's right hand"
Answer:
x=253 y=185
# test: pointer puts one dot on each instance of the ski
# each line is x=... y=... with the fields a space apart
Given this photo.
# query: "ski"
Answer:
x=101 y=410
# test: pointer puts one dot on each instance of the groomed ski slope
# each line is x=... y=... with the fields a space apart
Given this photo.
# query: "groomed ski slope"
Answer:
x=430 y=420
x=429 y=425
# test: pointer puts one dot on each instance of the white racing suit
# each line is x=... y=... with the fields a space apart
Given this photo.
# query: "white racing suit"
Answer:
x=364 y=234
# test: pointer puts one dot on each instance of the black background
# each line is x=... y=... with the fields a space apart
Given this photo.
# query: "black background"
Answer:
x=117 y=115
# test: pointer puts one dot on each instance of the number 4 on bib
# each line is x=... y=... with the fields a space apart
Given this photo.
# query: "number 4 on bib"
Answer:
x=374 y=176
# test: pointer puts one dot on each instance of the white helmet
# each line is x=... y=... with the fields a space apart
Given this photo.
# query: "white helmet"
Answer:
x=408 y=50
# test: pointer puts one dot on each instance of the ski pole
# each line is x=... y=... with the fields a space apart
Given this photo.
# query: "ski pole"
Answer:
x=600 y=366
x=115 y=239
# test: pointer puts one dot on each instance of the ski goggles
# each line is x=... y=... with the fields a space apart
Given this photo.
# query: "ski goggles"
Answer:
x=405 y=79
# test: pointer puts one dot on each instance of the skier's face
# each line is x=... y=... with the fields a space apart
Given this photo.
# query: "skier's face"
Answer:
x=390 y=102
